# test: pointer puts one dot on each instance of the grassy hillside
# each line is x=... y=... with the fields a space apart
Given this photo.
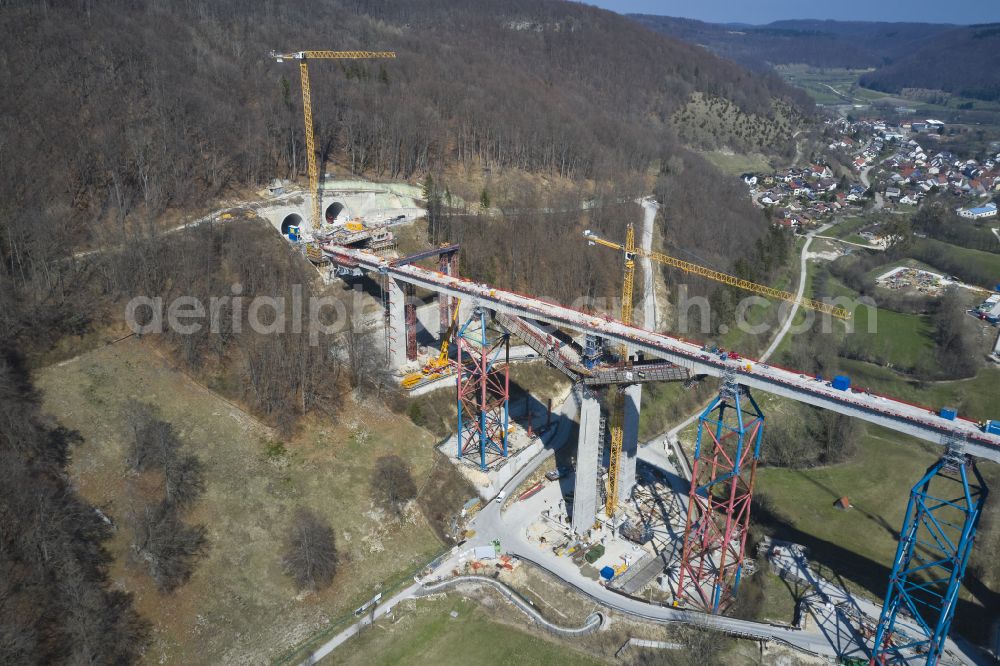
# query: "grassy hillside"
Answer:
x=453 y=631
x=856 y=547
x=239 y=606
x=709 y=122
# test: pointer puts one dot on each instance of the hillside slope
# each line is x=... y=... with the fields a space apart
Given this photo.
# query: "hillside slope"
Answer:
x=964 y=61
x=144 y=106
x=956 y=59
x=851 y=44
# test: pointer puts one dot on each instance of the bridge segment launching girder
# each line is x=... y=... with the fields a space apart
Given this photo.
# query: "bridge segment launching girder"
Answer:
x=934 y=547
x=722 y=480
x=483 y=390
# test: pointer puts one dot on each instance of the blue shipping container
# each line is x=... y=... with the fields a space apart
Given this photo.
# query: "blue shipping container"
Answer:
x=949 y=413
x=841 y=382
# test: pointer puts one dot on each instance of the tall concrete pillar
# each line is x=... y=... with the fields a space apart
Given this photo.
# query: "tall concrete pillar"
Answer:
x=444 y=302
x=588 y=449
x=630 y=442
x=397 y=325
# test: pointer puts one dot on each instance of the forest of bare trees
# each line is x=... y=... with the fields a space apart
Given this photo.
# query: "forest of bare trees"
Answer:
x=56 y=604
x=174 y=104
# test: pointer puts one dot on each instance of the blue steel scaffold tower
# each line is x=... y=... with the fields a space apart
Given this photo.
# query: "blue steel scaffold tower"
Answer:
x=483 y=390
x=934 y=546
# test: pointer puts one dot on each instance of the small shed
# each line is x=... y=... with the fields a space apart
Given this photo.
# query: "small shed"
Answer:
x=843 y=504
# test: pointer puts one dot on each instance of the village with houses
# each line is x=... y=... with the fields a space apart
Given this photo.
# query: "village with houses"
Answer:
x=881 y=165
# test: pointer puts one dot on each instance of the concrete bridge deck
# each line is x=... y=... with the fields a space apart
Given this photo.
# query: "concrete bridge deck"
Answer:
x=882 y=410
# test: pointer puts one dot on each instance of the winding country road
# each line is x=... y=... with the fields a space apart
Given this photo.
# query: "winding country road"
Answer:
x=803 y=279
x=879 y=201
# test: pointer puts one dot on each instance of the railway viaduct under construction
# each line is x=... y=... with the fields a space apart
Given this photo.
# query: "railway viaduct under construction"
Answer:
x=944 y=508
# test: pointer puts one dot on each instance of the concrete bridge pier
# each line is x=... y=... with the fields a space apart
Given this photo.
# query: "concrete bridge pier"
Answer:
x=396 y=331
x=588 y=449
x=447 y=264
x=630 y=442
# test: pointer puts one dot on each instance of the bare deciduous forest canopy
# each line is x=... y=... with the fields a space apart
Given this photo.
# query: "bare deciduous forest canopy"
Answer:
x=962 y=60
x=127 y=108
x=131 y=109
x=121 y=114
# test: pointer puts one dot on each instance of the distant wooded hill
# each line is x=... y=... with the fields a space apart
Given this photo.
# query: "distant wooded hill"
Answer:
x=131 y=107
x=964 y=61
x=957 y=59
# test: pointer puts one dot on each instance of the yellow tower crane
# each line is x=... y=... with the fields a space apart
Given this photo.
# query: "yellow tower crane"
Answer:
x=630 y=252
x=618 y=408
x=303 y=57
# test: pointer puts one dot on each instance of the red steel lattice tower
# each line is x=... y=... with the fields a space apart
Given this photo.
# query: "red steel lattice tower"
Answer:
x=447 y=264
x=411 y=322
x=483 y=390
x=722 y=479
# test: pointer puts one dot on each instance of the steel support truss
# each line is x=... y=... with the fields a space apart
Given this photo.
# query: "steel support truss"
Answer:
x=722 y=479
x=411 y=322
x=483 y=390
x=934 y=547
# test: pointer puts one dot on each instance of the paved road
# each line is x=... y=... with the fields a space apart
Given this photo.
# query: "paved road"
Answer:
x=877 y=248
x=836 y=611
x=671 y=435
x=831 y=636
x=649 y=206
x=379 y=611
x=803 y=275
x=879 y=202
x=491 y=523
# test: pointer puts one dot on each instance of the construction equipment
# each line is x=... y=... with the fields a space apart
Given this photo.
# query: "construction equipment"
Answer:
x=630 y=252
x=303 y=57
x=717 y=276
x=618 y=408
x=436 y=367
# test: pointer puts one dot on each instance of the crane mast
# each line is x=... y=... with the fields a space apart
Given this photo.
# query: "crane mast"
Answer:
x=630 y=252
x=618 y=405
x=303 y=57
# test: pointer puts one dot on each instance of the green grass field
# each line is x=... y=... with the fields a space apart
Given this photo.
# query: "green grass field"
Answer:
x=987 y=263
x=239 y=606
x=896 y=339
x=818 y=83
x=856 y=547
x=975 y=398
x=858 y=542
x=426 y=633
x=848 y=227
x=737 y=163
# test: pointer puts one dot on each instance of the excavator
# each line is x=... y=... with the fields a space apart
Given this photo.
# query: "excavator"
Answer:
x=436 y=367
